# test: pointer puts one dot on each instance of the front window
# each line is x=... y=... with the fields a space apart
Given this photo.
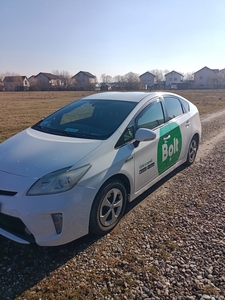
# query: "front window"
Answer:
x=89 y=119
x=151 y=117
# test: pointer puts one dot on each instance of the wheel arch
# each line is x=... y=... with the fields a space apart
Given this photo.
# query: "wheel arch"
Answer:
x=197 y=136
x=121 y=177
x=117 y=178
x=124 y=179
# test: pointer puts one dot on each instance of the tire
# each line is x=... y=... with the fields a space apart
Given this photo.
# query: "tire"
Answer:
x=108 y=207
x=192 y=151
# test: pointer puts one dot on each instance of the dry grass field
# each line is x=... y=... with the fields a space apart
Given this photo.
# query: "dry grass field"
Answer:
x=19 y=110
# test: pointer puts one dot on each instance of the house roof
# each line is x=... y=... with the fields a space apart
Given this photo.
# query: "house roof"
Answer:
x=174 y=72
x=86 y=73
x=14 y=78
x=147 y=73
x=214 y=70
x=105 y=84
x=48 y=75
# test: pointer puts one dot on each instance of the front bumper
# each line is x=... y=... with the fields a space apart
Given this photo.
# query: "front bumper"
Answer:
x=28 y=219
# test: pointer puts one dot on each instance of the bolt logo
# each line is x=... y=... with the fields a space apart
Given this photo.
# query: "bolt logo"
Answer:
x=169 y=146
x=169 y=150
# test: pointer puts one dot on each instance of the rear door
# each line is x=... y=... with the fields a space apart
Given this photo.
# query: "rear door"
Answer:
x=178 y=115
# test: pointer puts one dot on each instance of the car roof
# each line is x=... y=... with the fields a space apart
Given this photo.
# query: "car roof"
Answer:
x=123 y=96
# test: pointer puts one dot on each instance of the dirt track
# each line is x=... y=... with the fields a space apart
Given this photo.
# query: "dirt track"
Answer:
x=210 y=138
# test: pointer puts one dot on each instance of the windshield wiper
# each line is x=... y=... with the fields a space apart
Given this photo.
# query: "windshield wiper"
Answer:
x=65 y=132
x=81 y=135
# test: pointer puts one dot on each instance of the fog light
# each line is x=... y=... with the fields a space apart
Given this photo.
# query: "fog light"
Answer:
x=58 y=221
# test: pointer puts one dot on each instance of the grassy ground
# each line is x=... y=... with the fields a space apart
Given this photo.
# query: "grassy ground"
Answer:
x=19 y=110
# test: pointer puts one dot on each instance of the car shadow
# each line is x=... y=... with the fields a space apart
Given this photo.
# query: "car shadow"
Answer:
x=157 y=185
x=23 y=266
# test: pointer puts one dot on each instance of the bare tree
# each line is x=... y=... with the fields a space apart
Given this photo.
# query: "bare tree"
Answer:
x=64 y=77
x=106 y=78
x=131 y=81
x=117 y=78
x=189 y=76
x=159 y=74
x=3 y=75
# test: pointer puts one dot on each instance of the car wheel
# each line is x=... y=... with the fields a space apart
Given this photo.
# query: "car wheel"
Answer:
x=108 y=207
x=192 y=151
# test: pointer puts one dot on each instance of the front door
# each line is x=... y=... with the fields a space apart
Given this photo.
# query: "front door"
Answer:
x=145 y=155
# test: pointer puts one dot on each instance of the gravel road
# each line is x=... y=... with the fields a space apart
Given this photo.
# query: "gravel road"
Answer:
x=169 y=245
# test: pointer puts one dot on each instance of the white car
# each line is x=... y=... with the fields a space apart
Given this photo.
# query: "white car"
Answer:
x=73 y=172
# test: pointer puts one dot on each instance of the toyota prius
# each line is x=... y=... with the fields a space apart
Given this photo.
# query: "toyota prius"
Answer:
x=73 y=172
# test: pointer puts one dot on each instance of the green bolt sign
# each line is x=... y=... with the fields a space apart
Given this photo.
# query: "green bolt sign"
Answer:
x=169 y=146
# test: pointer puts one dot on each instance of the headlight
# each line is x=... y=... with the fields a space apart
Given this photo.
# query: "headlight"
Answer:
x=58 y=181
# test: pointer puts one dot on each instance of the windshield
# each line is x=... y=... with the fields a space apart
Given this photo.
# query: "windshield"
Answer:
x=89 y=119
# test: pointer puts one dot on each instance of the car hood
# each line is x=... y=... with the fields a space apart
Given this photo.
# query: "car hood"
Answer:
x=34 y=154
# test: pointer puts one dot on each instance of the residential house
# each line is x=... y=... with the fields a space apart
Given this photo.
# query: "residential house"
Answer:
x=16 y=83
x=206 y=78
x=2 y=88
x=85 y=80
x=147 y=80
x=104 y=86
x=159 y=84
x=221 y=79
x=116 y=86
x=46 y=81
x=172 y=79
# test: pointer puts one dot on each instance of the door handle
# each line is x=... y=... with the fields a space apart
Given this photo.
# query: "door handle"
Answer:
x=166 y=138
x=187 y=123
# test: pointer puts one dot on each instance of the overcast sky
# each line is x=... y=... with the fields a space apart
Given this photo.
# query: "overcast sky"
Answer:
x=112 y=37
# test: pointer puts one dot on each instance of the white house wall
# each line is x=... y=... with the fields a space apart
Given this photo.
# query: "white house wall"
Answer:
x=83 y=80
x=204 y=78
x=16 y=85
x=221 y=78
x=26 y=83
x=43 y=80
x=173 y=78
x=46 y=82
x=147 y=79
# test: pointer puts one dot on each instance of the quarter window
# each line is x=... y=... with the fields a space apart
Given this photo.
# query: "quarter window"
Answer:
x=185 y=105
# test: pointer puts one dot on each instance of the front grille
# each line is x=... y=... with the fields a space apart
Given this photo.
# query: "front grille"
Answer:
x=16 y=227
x=7 y=193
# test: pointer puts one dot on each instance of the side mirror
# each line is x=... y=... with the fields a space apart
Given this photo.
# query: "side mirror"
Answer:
x=144 y=134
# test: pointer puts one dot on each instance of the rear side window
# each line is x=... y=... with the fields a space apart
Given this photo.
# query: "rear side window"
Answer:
x=173 y=107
